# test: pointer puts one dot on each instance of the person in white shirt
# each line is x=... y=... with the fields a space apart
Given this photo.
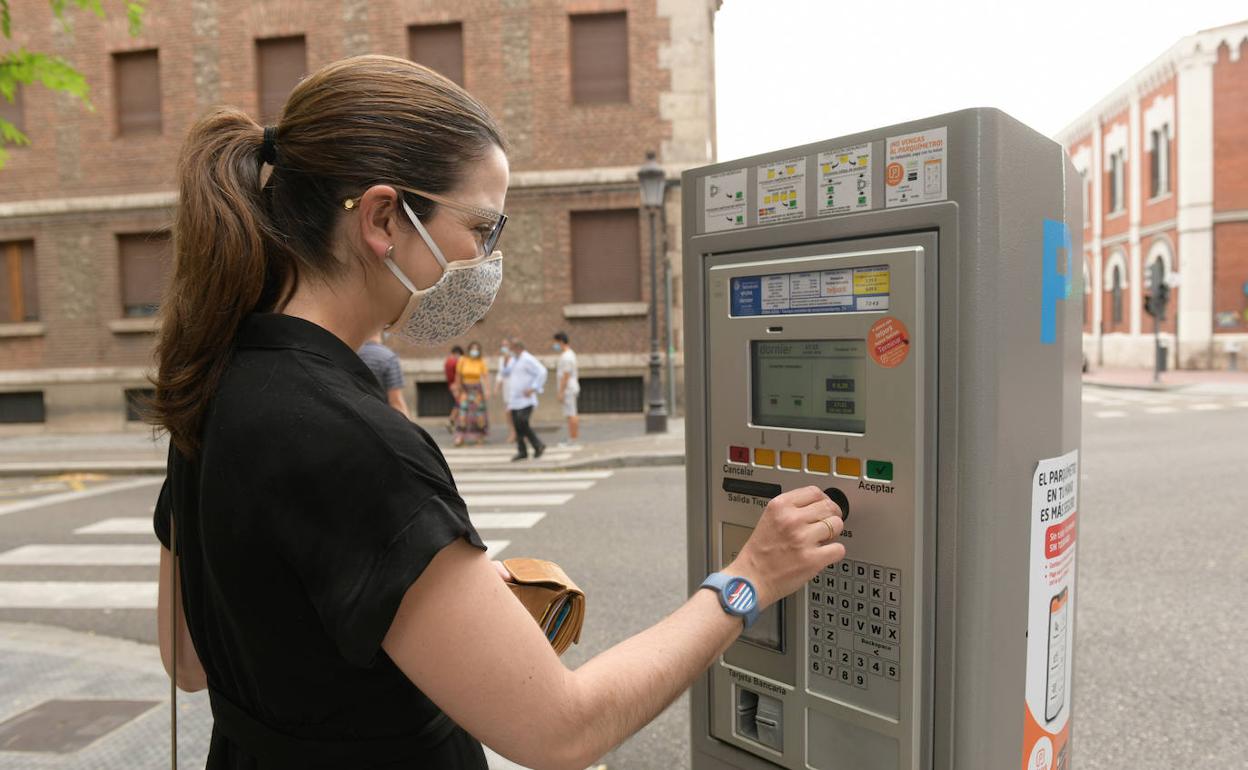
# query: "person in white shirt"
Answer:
x=569 y=386
x=502 y=385
x=526 y=378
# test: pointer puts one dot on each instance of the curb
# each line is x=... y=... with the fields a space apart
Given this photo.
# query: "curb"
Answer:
x=1158 y=387
x=157 y=467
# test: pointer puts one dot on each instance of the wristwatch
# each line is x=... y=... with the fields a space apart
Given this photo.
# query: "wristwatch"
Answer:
x=736 y=595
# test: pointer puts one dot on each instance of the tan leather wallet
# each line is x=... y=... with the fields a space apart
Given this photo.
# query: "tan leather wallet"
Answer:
x=550 y=596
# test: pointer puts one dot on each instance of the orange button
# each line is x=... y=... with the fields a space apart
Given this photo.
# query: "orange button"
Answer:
x=848 y=466
x=765 y=457
x=791 y=461
x=818 y=463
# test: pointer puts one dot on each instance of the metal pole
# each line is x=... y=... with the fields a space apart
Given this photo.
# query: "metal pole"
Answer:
x=656 y=412
x=1156 y=342
x=667 y=337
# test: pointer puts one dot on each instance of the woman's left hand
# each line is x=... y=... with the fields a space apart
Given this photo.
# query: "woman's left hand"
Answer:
x=502 y=571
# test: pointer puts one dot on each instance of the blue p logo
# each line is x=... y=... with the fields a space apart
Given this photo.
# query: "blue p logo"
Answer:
x=1055 y=285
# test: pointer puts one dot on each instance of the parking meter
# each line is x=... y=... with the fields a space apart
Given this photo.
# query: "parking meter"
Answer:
x=893 y=317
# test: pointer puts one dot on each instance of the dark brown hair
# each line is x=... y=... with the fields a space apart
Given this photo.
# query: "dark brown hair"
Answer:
x=241 y=248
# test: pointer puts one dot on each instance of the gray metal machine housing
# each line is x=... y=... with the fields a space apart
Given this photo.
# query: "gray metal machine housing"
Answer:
x=962 y=423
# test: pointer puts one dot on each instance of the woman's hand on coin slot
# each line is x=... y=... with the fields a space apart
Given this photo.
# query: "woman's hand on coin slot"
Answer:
x=795 y=538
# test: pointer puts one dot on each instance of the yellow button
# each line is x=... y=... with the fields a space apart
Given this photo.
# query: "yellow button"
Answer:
x=791 y=461
x=848 y=466
x=818 y=463
x=765 y=457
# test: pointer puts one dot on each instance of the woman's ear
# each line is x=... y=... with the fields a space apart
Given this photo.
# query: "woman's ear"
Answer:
x=376 y=212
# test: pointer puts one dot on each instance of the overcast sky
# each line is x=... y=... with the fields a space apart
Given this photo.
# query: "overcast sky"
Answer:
x=794 y=71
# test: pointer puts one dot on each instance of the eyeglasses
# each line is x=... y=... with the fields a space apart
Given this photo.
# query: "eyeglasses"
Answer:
x=486 y=234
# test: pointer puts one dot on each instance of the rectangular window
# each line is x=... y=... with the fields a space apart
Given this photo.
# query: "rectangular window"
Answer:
x=1083 y=185
x=1117 y=181
x=599 y=58
x=136 y=81
x=281 y=62
x=440 y=47
x=19 y=291
x=145 y=261
x=606 y=256
x=601 y=395
x=12 y=110
x=22 y=407
x=433 y=399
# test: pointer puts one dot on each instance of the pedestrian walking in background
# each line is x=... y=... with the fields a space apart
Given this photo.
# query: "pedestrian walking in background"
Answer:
x=569 y=386
x=384 y=364
x=319 y=573
x=450 y=366
x=502 y=386
x=471 y=376
x=528 y=377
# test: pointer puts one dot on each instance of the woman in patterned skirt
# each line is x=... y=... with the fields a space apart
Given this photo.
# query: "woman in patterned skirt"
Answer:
x=472 y=372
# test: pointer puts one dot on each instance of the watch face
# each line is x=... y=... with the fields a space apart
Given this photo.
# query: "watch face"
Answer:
x=739 y=595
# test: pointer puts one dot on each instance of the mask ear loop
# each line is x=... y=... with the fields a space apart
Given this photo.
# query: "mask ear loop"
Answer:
x=424 y=234
x=397 y=272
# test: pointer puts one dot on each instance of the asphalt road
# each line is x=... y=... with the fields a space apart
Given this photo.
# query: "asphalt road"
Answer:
x=1162 y=618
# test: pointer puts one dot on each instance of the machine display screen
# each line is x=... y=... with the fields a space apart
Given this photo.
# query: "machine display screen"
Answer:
x=808 y=384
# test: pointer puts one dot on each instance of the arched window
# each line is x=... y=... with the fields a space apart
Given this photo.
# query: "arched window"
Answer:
x=1116 y=288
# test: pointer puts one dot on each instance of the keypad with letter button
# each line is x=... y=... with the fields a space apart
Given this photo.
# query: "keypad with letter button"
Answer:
x=854 y=624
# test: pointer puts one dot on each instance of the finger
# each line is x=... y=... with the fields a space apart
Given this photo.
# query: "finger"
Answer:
x=803 y=496
x=830 y=553
x=825 y=529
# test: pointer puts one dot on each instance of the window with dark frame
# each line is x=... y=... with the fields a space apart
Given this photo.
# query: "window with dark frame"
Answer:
x=145 y=260
x=136 y=85
x=281 y=62
x=606 y=256
x=1117 y=181
x=440 y=47
x=19 y=290
x=1159 y=161
x=13 y=111
x=1117 y=296
x=599 y=58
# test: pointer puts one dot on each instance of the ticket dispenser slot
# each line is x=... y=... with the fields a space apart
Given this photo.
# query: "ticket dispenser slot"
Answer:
x=832 y=340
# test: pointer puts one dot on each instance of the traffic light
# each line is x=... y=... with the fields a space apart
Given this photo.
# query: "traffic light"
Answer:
x=1148 y=304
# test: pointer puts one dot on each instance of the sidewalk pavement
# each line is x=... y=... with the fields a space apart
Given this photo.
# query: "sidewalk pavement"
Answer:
x=1217 y=382
x=607 y=441
x=123 y=722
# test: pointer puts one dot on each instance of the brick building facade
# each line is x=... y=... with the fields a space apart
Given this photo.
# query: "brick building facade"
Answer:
x=1164 y=160
x=583 y=88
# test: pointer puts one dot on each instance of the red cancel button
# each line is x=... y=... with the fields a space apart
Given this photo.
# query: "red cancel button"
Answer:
x=739 y=454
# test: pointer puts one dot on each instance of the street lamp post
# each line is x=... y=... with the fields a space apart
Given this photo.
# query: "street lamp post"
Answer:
x=653 y=187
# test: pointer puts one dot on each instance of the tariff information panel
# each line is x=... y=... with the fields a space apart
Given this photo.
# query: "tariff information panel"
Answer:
x=848 y=290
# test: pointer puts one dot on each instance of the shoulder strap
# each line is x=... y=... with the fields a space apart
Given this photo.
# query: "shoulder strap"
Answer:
x=173 y=636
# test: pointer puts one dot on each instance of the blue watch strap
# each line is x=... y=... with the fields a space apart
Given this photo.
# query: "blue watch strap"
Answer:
x=744 y=601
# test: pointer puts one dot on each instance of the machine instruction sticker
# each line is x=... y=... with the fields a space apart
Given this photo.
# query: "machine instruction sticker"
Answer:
x=782 y=191
x=888 y=342
x=724 y=201
x=916 y=169
x=844 y=180
x=850 y=289
x=1051 y=608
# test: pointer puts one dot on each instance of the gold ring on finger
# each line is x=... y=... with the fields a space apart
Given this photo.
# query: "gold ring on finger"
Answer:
x=828 y=523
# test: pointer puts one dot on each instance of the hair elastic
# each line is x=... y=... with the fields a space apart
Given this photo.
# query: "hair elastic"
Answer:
x=268 y=150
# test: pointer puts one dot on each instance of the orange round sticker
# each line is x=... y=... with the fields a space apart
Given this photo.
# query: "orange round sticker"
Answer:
x=888 y=342
x=894 y=173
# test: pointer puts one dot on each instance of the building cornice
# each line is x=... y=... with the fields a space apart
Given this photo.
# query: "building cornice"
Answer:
x=1202 y=46
x=520 y=181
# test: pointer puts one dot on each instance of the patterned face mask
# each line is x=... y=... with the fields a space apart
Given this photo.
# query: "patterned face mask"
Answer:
x=460 y=298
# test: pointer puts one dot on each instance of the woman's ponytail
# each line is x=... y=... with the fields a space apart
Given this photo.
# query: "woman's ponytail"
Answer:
x=223 y=244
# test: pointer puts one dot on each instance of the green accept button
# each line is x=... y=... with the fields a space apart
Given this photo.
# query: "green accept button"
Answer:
x=879 y=470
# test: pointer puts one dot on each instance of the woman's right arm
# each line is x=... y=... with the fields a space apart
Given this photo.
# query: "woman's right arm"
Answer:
x=463 y=639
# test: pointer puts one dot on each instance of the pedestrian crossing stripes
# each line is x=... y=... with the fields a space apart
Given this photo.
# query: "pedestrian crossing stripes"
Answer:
x=499 y=502
x=1116 y=404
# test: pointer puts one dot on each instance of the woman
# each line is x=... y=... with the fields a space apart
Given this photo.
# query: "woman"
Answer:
x=474 y=420
x=333 y=595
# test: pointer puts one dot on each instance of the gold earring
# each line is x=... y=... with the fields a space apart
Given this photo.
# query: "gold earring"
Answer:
x=389 y=251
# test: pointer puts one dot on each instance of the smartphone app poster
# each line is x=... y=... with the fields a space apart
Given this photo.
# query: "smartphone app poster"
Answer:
x=1051 y=612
